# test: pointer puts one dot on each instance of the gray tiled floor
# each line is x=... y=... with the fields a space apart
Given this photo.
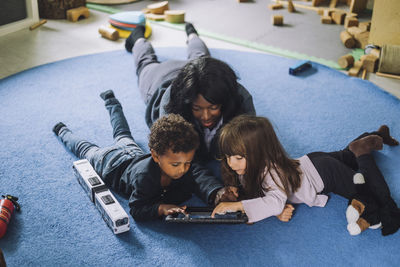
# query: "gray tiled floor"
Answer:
x=60 y=39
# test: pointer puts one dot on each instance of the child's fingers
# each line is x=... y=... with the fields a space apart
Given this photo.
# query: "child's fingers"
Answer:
x=175 y=210
x=218 y=210
x=285 y=218
x=289 y=206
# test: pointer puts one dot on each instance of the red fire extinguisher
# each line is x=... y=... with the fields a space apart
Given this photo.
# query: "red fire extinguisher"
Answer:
x=7 y=205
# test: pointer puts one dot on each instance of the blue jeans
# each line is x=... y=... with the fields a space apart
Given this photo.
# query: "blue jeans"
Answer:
x=107 y=160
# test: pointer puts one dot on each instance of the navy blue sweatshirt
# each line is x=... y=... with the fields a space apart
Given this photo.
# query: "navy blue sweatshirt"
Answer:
x=141 y=180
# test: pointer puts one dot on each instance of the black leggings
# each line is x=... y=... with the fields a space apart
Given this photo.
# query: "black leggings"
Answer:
x=338 y=168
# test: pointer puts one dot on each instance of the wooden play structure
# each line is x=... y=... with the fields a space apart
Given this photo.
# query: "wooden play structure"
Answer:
x=355 y=6
x=385 y=23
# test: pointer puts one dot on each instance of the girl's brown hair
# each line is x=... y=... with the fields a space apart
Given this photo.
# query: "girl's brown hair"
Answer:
x=255 y=139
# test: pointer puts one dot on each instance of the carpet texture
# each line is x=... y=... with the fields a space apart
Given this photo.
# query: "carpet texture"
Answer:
x=321 y=110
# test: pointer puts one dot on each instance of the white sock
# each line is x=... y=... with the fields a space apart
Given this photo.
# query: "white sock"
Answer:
x=353 y=229
x=358 y=178
x=352 y=214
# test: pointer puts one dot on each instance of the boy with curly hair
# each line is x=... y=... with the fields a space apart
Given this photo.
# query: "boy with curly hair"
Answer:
x=157 y=182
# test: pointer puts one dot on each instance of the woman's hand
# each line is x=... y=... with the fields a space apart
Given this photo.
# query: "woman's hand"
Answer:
x=226 y=194
x=167 y=209
x=225 y=207
x=286 y=214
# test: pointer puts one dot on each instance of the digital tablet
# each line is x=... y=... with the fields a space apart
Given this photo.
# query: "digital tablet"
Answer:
x=203 y=215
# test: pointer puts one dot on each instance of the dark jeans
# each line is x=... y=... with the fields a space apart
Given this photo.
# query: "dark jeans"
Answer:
x=109 y=159
x=153 y=73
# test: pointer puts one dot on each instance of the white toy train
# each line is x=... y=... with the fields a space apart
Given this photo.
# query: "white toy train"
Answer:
x=110 y=209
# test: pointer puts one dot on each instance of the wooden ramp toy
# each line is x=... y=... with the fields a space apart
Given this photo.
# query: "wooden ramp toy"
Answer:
x=74 y=14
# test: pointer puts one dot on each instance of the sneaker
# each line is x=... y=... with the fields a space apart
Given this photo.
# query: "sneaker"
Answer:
x=136 y=34
x=57 y=128
x=189 y=28
x=107 y=94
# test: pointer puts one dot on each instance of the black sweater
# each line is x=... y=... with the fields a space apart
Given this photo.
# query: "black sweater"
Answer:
x=156 y=109
x=141 y=179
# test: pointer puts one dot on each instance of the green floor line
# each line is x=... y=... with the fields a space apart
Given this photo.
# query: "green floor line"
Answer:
x=228 y=39
x=357 y=53
x=105 y=9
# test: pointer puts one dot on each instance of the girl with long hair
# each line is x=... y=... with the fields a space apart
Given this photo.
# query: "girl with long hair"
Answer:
x=261 y=173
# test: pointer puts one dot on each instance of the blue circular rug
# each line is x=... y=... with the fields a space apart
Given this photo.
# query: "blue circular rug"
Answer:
x=319 y=110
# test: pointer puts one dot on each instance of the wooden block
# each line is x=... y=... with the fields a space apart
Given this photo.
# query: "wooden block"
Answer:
x=350 y=22
x=375 y=52
x=37 y=24
x=361 y=39
x=74 y=14
x=316 y=2
x=146 y=10
x=290 y=7
x=369 y=62
x=358 y=6
x=328 y=12
x=326 y=20
x=109 y=33
x=354 y=71
x=333 y=3
x=349 y=14
x=175 y=16
x=320 y=11
x=158 y=8
x=275 y=6
x=354 y=30
x=277 y=20
x=347 y=39
x=346 y=61
x=297 y=6
x=364 y=74
x=358 y=64
x=155 y=17
x=338 y=17
x=365 y=26
x=388 y=75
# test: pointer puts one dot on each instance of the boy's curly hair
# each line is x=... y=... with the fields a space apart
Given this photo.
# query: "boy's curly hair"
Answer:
x=173 y=132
